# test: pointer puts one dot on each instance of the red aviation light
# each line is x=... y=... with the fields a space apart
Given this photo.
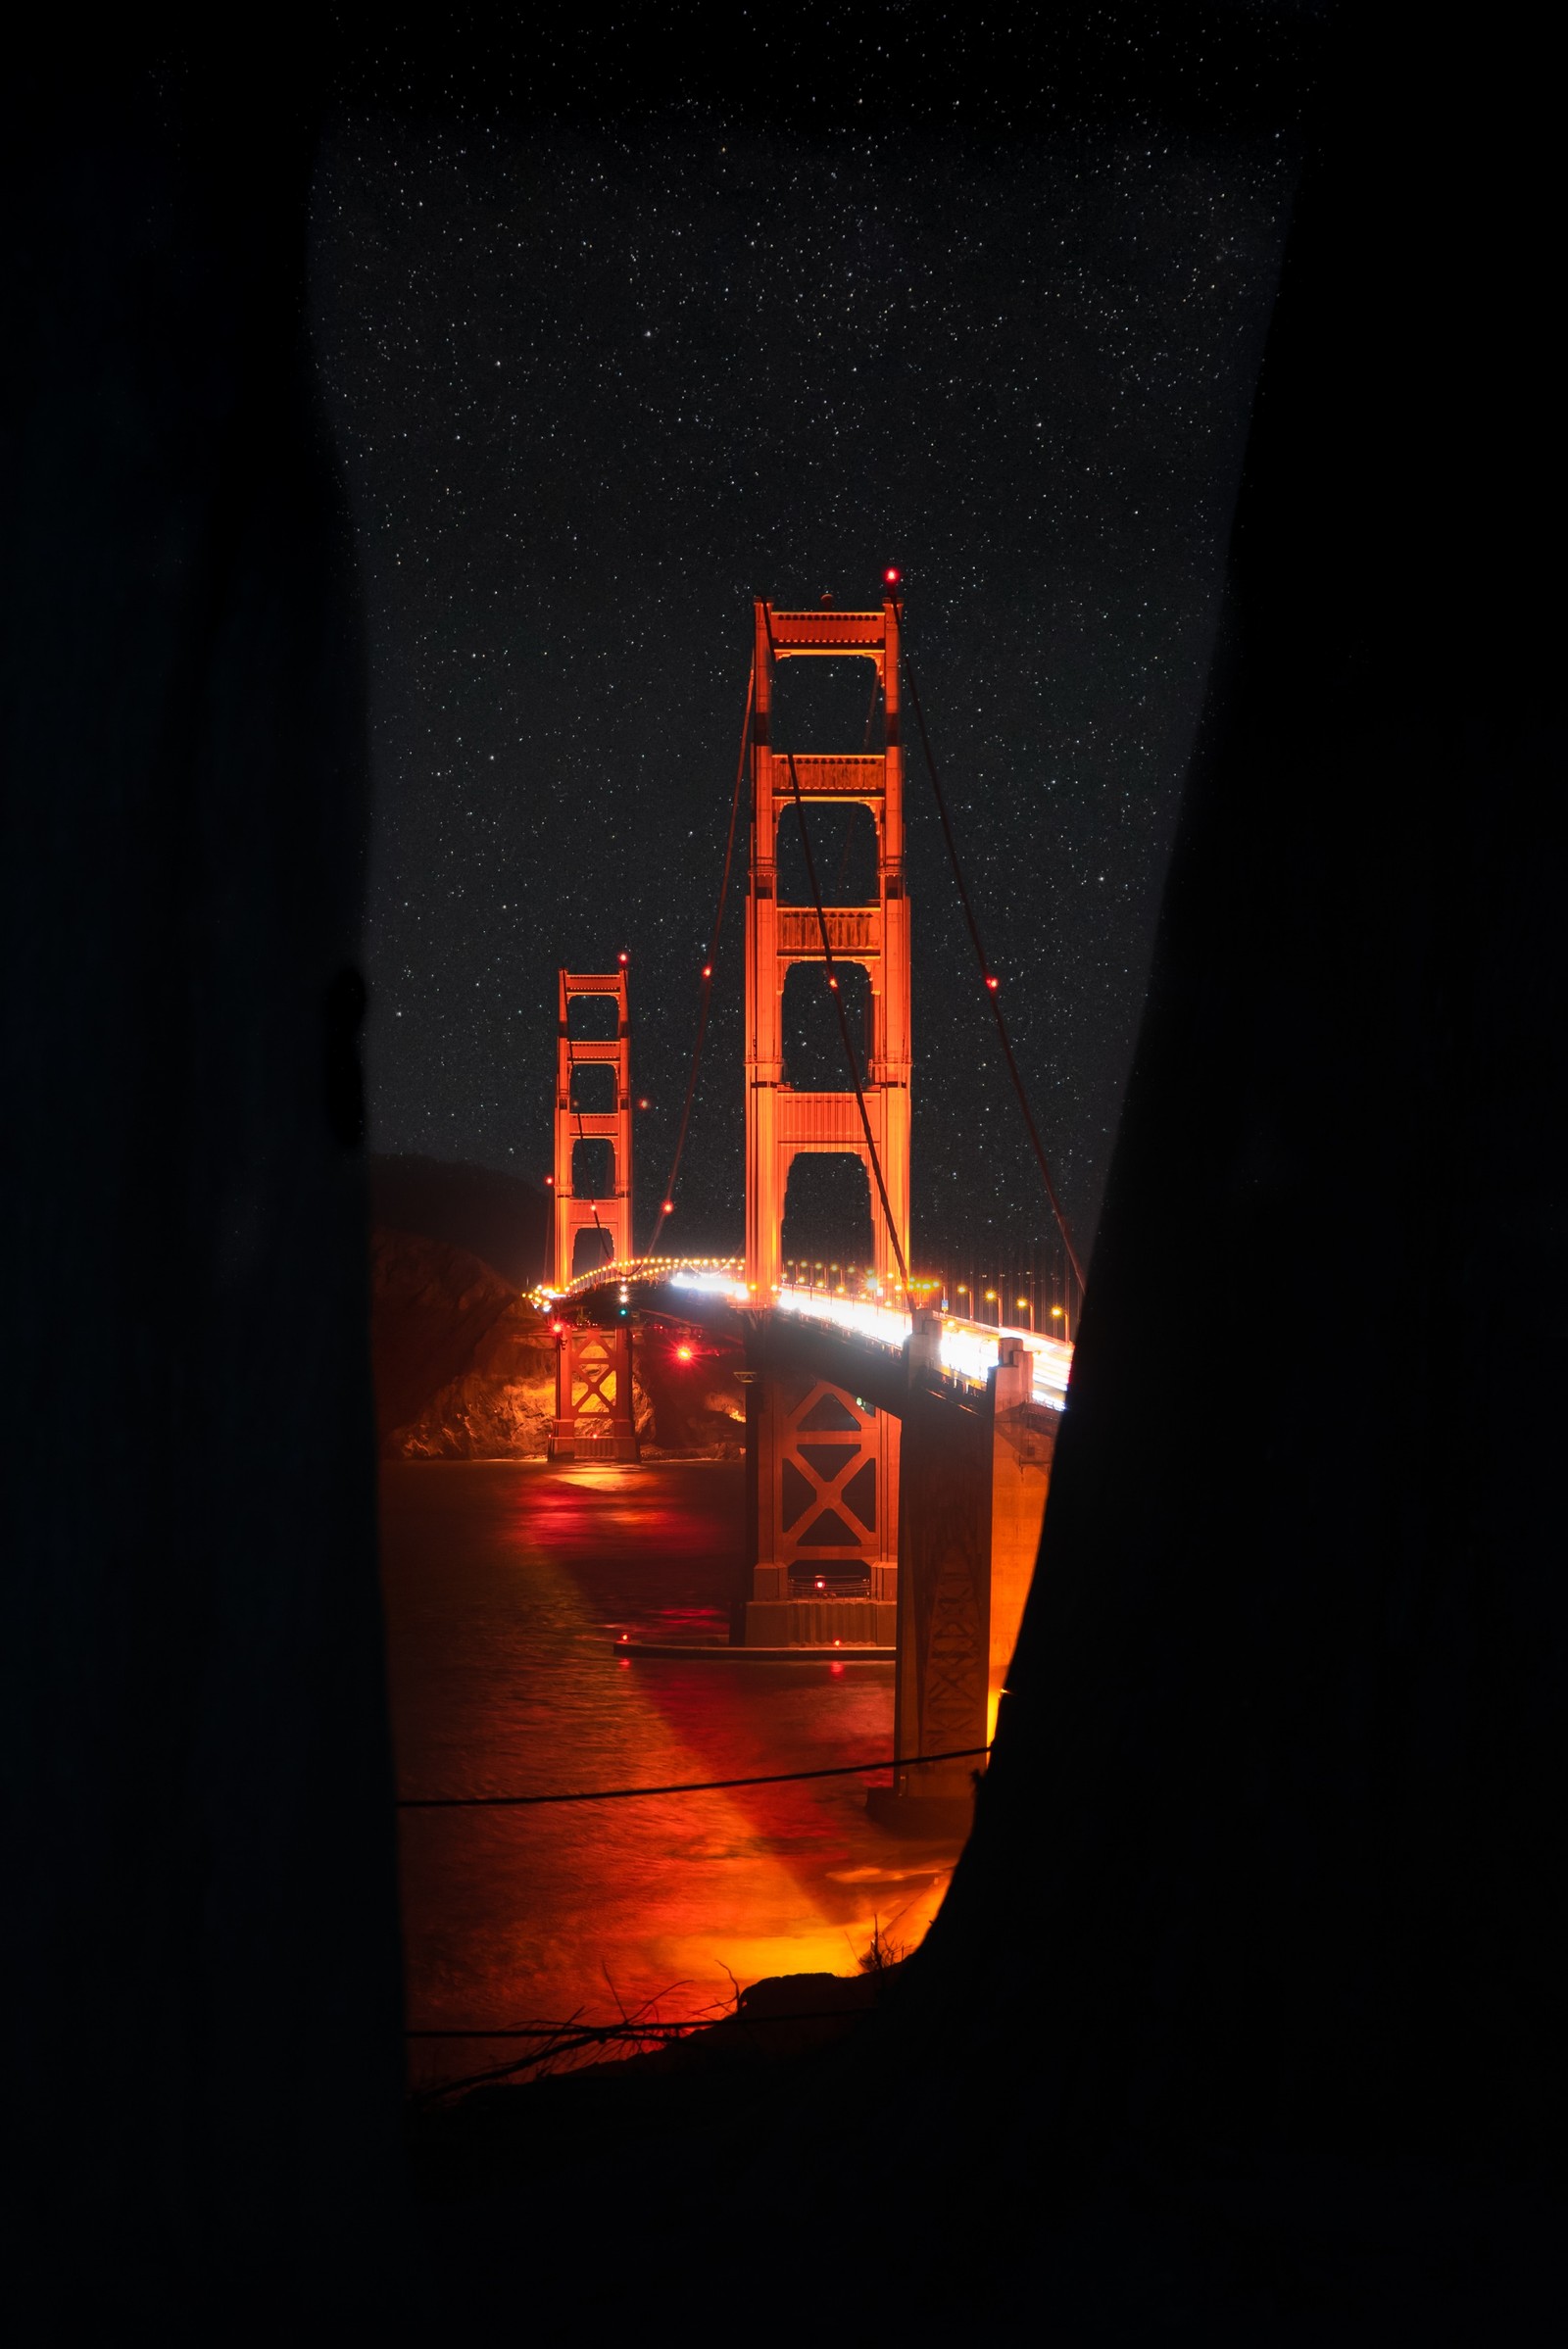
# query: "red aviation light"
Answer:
x=892 y=575
x=992 y=983
x=683 y=1354
x=708 y=970
x=670 y=1206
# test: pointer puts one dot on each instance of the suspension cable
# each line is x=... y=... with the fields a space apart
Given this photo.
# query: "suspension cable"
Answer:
x=705 y=996
x=988 y=977
x=837 y=993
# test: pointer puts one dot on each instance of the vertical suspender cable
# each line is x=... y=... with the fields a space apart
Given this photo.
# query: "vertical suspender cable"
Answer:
x=990 y=982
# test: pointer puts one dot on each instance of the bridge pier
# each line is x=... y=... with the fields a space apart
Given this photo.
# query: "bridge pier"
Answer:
x=822 y=1506
x=594 y=1401
x=976 y=1471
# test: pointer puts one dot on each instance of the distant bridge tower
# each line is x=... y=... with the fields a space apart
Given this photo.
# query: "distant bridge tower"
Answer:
x=824 y=1508
x=611 y=1217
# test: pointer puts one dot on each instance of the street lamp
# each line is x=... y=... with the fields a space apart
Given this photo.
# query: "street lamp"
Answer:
x=1060 y=1314
x=991 y=1299
x=1026 y=1304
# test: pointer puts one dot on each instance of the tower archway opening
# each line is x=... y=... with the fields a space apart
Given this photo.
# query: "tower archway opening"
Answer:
x=592 y=1170
x=814 y=1048
x=827 y=1213
x=826 y=705
x=592 y=1246
x=843 y=850
x=593 y=1018
x=594 y=1088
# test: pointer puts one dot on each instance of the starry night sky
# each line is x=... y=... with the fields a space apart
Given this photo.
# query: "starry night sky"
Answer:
x=600 y=374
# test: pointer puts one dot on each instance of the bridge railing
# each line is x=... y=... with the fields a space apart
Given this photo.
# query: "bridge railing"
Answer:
x=968 y=1349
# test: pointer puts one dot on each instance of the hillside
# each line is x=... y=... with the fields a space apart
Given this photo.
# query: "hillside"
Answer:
x=500 y=1218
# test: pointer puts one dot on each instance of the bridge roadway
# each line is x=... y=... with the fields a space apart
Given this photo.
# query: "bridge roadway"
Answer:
x=978 y=1408
x=967 y=1352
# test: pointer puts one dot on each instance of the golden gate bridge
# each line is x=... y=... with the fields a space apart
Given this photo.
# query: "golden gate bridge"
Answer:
x=897 y=1454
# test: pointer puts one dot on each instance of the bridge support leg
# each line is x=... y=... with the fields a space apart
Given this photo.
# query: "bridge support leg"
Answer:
x=822 y=1495
x=944 y=1610
x=975 y=1476
x=594 y=1402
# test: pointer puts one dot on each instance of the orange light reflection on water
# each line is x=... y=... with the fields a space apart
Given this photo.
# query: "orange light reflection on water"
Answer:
x=508 y=1586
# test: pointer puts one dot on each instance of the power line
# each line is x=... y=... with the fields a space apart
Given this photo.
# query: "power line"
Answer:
x=704 y=1786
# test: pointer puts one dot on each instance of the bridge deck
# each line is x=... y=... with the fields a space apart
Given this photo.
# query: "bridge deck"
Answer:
x=967 y=1351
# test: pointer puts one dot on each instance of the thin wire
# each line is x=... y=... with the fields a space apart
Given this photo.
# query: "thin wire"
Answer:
x=988 y=979
x=668 y=1198
x=837 y=993
x=703 y=1785
x=597 y=2032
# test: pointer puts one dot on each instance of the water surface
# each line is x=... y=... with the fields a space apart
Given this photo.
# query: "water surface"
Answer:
x=507 y=1584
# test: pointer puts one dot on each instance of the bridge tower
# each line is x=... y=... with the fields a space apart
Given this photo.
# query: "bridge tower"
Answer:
x=611 y=1217
x=594 y=1402
x=824 y=1488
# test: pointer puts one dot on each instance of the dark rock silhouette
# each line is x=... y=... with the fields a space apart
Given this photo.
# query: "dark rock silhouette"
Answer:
x=432 y=1308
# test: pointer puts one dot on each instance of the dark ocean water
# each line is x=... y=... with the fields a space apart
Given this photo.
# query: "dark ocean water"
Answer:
x=507 y=1584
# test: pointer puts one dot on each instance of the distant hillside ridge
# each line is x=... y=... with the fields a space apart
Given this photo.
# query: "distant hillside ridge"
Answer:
x=431 y=1308
x=501 y=1218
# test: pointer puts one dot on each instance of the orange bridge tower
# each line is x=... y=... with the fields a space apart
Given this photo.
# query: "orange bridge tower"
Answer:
x=823 y=1510
x=595 y=1415
x=609 y=1216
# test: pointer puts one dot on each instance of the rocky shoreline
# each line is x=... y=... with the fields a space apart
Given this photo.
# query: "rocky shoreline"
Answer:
x=465 y=1366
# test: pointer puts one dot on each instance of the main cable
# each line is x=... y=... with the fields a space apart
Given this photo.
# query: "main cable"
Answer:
x=989 y=978
x=705 y=1000
x=837 y=993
